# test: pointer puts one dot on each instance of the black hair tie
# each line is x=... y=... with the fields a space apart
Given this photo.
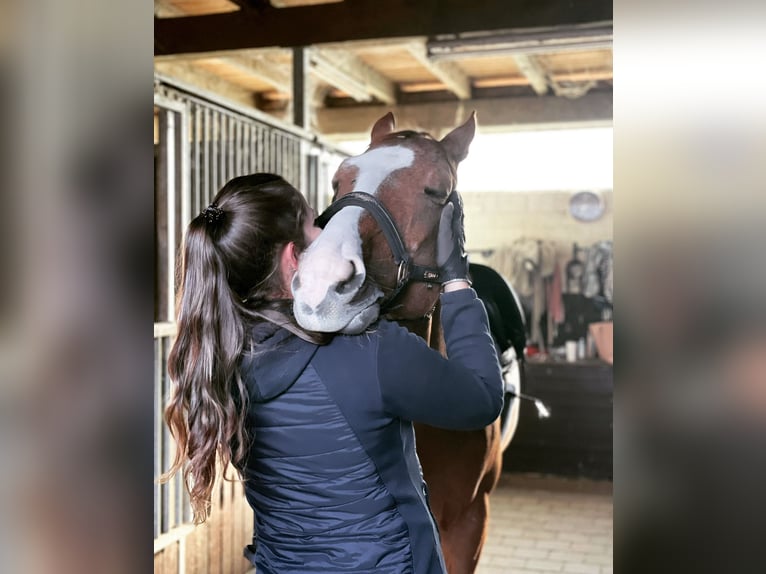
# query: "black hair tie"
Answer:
x=212 y=213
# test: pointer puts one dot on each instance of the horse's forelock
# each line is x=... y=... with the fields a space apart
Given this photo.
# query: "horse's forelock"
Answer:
x=407 y=134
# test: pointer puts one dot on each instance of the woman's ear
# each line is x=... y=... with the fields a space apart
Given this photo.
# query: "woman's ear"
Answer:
x=288 y=265
x=291 y=252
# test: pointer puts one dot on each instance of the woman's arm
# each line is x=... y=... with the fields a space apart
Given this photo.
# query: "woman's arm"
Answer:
x=418 y=384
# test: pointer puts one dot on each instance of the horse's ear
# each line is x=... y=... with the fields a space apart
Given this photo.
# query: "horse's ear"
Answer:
x=457 y=141
x=382 y=127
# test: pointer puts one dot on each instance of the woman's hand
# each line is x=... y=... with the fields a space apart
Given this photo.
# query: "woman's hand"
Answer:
x=450 y=247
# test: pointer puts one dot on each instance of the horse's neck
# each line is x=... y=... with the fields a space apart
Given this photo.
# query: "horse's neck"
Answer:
x=428 y=328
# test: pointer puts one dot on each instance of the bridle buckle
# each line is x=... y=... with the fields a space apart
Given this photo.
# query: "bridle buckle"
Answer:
x=402 y=273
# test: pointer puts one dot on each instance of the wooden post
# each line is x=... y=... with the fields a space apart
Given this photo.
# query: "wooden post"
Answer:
x=300 y=83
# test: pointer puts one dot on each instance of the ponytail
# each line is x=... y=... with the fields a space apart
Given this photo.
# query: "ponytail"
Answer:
x=207 y=412
x=229 y=280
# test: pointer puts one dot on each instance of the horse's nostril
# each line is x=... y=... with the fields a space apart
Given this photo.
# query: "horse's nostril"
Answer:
x=347 y=286
x=352 y=281
x=306 y=310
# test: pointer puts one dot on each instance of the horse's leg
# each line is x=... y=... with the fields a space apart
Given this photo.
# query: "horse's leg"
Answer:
x=461 y=469
x=466 y=539
x=462 y=544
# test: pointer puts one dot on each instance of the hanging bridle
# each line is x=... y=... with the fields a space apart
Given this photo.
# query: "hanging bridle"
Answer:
x=407 y=271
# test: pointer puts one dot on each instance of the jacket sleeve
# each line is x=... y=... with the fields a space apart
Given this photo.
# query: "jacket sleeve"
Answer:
x=463 y=392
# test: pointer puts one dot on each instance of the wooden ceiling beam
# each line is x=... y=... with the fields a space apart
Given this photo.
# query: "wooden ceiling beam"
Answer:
x=253 y=4
x=364 y=19
x=262 y=53
x=349 y=73
x=447 y=72
x=289 y=3
x=505 y=81
x=533 y=71
x=497 y=114
x=500 y=43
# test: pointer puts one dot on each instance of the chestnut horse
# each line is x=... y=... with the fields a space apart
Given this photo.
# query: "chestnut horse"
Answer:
x=356 y=260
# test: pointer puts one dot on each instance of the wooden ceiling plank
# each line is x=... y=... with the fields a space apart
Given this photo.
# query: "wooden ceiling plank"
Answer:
x=234 y=75
x=261 y=67
x=421 y=87
x=501 y=82
x=194 y=75
x=346 y=71
x=166 y=9
x=448 y=72
x=582 y=76
x=174 y=8
x=533 y=71
x=300 y=26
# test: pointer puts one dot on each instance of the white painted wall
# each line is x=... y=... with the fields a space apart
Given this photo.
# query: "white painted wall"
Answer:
x=494 y=219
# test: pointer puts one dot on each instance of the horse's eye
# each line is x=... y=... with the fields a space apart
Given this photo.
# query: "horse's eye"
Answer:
x=435 y=193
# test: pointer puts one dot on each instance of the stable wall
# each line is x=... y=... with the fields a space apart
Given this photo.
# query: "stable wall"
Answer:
x=494 y=219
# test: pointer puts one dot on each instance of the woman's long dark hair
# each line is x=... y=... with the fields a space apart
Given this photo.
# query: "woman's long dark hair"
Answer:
x=229 y=270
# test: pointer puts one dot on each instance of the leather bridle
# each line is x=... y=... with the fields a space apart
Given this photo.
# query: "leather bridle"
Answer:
x=407 y=271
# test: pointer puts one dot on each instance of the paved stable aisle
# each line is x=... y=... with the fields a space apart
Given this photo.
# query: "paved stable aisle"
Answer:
x=545 y=524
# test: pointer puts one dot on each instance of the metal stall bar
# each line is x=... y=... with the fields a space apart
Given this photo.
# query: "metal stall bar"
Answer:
x=223 y=150
x=196 y=169
x=238 y=160
x=183 y=173
x=255 y=148
x=214 y=152
x=231 y=128
x=262 y=147
x=206 y=158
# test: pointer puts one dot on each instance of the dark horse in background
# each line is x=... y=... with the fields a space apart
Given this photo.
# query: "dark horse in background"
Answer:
x=376 y=256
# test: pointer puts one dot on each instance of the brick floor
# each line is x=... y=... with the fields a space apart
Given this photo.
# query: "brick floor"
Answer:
x=546 y=524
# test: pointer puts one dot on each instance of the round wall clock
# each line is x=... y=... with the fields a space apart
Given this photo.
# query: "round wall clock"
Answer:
x=586 y=206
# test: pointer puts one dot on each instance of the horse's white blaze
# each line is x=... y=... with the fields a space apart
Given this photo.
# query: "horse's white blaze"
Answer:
x=376 y=165
x=333 y=263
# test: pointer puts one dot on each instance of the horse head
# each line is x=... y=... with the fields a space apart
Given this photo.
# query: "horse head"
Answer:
x=344 y=274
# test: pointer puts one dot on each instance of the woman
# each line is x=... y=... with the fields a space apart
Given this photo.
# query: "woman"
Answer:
x=319 y=427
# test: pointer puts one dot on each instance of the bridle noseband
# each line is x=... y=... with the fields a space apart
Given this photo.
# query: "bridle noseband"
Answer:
x=407 y=271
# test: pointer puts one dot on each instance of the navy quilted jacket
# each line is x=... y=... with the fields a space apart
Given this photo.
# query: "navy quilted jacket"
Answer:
x=332 y=473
